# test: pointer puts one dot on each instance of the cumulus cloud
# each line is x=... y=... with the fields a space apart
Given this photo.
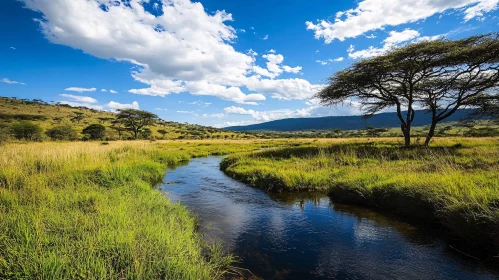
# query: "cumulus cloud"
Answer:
x=7 y=81
x=179 y=48
x=328 y=61
x=372 y=15
x=394 y=40
x=285 y=89
x=77 y=98
x=112 y=91
x=79 y=89
x=103 y=90
x=117 y=106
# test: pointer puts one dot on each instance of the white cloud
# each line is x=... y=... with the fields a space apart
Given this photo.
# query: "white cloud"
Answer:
x=266 y=37
x=79 y=89
x=227 y=93
x=184 y=49
x=372 y=15
x=112 y=91
x=160 y=109
x=286 y=89
x=77 y=98
x=399 y=37
x=7 y=81
x=272 y=51
x=328 y=61
x=394 y=40
x=116 y=106
x=216 y=116
x=103 y=90
x=294 y=70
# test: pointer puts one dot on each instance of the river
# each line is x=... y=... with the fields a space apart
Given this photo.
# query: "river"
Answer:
x=306 y=236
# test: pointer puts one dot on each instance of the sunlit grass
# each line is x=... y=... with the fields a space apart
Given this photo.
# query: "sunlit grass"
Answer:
x=88 y=211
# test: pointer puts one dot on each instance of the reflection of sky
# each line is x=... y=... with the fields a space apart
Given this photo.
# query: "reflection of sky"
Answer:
x=301 y=239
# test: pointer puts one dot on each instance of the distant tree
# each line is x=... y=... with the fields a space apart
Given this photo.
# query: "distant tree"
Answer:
x=95 y=131
x=145 y=133
x=62 y=133
x=77 y=117
x=162 y=132
x=25 y=130
x=136 y=120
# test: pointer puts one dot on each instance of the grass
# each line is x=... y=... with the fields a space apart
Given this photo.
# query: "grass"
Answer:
x=455 y=183
x=88 y=211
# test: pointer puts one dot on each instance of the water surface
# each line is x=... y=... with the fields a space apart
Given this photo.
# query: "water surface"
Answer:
x=306 y=236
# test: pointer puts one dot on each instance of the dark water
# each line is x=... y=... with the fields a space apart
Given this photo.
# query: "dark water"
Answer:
x=305 y=236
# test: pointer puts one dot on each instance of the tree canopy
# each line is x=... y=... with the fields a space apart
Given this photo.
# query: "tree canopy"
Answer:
x=136 y=120
x=439 y=76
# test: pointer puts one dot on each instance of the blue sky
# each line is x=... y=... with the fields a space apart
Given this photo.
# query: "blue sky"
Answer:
x=215 y=62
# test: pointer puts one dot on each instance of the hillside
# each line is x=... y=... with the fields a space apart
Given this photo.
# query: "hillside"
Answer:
x=383 y=120
x=13 y=110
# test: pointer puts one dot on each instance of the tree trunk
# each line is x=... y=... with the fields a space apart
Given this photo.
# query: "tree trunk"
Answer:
x=407 y=135
x=430 y=133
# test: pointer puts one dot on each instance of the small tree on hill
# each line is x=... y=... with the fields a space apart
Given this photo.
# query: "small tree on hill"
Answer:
x=77 y=117
x=62 y=133
x=95 y=131
x=136 y=120
x=163 y=132
x=25 y=130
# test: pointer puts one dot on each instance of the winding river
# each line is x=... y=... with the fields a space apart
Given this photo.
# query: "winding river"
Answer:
x=306 y=236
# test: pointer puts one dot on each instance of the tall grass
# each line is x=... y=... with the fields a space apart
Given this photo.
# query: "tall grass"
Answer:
x=455 y=183
x=88 y=211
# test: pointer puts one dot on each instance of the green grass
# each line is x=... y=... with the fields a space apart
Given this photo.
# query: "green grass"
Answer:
x=88 y=211
x=455 y=183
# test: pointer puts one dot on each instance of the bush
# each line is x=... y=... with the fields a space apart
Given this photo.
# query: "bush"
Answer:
x=95 y=131
x=62 y=133
x=25 y=130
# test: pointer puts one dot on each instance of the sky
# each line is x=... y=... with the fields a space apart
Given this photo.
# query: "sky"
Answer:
x=215 y=62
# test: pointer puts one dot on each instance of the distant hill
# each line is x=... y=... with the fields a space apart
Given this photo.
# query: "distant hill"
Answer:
x=383 y=120
x=13 y=110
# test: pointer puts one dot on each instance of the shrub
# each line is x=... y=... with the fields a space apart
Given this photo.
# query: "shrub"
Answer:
x=95 y=131
x=25 y=130
x=62 y=133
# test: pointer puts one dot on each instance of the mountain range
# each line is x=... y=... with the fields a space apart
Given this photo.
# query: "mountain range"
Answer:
x=382 y=120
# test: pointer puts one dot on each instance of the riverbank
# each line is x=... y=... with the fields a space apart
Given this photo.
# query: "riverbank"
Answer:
x=88 y=210
x=455 y=183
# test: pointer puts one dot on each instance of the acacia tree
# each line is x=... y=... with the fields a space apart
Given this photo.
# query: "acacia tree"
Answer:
x=467 y=76
x=386 y=81
x=136 y=120
x=440 y=76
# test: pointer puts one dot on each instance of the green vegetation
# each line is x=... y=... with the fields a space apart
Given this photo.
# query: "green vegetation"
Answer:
x=88 y=211
x=95 y=131
x=78 y=118
x=65 y=133
x=456 y=183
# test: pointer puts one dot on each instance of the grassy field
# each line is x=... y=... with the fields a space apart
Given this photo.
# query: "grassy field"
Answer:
x=455 y=183
x=88 y=211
